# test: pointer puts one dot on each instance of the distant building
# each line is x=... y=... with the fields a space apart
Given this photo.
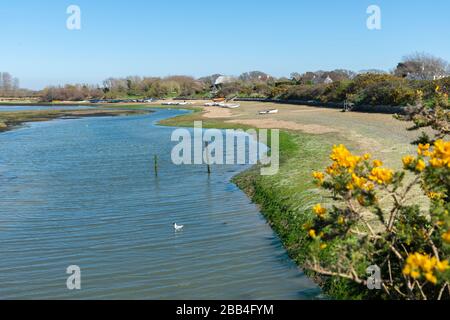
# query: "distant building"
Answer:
x=328 y=80
x=322 y=79
x=264 y=77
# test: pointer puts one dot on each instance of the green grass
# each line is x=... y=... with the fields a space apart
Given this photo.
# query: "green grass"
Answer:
x=286 y=200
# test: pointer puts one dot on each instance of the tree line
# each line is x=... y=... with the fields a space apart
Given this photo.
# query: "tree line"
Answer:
x=418 y=71
x=10 y=86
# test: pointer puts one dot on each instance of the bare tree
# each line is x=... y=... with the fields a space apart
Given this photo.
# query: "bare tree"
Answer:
x=16 y=84
x=422 y=66
x=255 y=76
x=6 y=81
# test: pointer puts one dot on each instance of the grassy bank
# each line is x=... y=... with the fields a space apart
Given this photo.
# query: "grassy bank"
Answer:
x=286 y=199
x=9 y=120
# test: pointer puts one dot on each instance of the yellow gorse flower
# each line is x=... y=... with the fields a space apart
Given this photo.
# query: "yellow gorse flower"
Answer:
x=418 y=265
x=344 y=158
x=431 y=277
x=436 y=163
x=381 y=175
x=319 y=210
x=408 y=160
x=333 y=169
x=423 y=149
x=441 y=153
x=446 y=236
x=421 y=165
x=442 y=266
x=319 y=176
x=438 y=154
x=435 y=195
x=377 y=163
x=312 y=233
x=361 y=183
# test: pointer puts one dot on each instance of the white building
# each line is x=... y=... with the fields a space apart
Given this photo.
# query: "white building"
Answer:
x=328 y=80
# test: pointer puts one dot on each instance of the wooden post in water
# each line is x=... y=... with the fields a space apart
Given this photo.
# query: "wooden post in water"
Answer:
x=156 y=164
x=207 y=158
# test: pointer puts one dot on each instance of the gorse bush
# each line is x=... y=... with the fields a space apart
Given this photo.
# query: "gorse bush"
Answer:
x=389 y=93
x=374 y=222
x=365 y=89
x=381 y=89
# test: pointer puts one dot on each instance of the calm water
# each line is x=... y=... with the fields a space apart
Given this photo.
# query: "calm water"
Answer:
x=39 y=108
x=82 y=192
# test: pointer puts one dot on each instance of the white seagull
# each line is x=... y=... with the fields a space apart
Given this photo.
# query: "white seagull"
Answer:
x=177 y=227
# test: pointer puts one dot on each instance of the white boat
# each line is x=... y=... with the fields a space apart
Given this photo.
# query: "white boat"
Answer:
x=272 y=111
x=222 y=105
x=229 y=105
x=173 y=103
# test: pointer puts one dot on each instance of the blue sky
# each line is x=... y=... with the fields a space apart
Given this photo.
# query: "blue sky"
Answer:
x=199 y=37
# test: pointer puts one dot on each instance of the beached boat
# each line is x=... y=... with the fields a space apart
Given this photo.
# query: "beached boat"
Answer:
x=272 y=111
x=222 y=105
x=173 y=103
x=229 y=105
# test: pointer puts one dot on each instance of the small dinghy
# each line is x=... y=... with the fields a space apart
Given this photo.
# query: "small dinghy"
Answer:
x=222 y=105
x=230 y=106
x=272 y=111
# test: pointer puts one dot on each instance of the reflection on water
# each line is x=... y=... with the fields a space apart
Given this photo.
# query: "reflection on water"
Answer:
x=83 y=192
